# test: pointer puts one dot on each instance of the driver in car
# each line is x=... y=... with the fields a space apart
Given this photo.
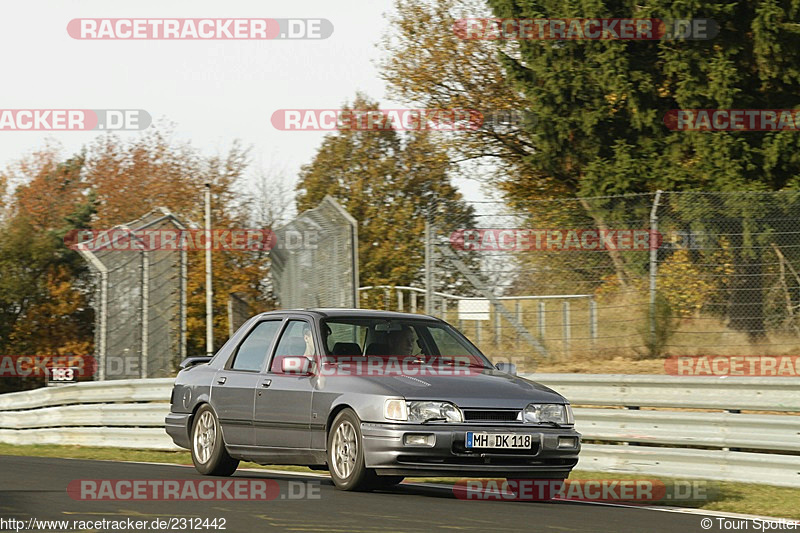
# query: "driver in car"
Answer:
x=402 y=341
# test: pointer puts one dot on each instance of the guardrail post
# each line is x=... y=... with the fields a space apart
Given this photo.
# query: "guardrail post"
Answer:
x=399 y=300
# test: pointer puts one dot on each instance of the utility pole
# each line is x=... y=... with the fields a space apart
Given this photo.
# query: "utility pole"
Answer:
x=209 y=278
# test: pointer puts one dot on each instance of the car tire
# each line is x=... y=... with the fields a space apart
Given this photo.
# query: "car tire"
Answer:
x=208 y=447
x=346 y=454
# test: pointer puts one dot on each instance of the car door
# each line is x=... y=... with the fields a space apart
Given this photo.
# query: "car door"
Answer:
x=283 y=401
x=234 y=386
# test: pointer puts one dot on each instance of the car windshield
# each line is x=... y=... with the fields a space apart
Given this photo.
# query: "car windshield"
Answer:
x=421 y=340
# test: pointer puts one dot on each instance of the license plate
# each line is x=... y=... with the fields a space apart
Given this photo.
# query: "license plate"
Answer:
x=509 y=441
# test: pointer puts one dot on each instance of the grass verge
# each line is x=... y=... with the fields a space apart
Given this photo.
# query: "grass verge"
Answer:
x=765 y=500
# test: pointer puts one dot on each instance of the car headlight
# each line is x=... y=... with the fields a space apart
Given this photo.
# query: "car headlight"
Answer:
x=421 y=411
x=546 y=413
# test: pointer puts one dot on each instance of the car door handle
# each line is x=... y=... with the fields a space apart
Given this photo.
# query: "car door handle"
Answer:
x=222 y=380
x=266 y=383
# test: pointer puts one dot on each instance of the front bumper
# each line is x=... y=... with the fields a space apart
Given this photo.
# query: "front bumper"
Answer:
x=385 y=451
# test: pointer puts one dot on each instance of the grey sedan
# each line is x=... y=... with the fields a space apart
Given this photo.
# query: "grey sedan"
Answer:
x=371 y=396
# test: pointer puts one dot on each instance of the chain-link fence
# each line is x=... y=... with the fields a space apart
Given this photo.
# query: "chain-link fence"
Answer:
x=140 y=300
x=634 y=276
x=315 y=259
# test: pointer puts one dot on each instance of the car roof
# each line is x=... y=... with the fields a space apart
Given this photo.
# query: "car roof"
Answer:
x=351 y=313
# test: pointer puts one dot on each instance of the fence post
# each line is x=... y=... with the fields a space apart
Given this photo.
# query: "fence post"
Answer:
x=653 y=265
x=103 y=348
x=145 y=314
x=386 y=299
x=230 y=316
x=428 y=270
x=542 y=320
x=413 y=301
x=593 y=319
x=518 y=310
x=565 y=320
x=183 y=304
x=400 y=300
x=496 y=328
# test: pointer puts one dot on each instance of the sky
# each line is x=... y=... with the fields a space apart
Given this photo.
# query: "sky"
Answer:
x=213 y=91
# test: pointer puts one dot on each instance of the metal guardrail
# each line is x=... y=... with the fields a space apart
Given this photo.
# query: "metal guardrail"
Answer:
x=131 y=438
x=130 y=414
x=102 y=415
x=719 y=465
x=676 y=428
x=686 y=392
x=123 y=390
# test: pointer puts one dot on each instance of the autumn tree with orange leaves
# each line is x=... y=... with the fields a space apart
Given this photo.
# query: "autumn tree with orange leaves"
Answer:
x=46 y=288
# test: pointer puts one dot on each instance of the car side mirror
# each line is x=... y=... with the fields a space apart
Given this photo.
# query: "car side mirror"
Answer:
x=508 y=368
x=299 y=365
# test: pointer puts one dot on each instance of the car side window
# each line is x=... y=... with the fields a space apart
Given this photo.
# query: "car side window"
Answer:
x=296 y=340
x=348 y=337
x=254 y=350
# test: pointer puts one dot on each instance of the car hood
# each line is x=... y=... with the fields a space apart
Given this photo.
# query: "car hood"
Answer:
x=484 y=388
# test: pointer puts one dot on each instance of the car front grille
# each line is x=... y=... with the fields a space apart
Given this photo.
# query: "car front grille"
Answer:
x=491 y=415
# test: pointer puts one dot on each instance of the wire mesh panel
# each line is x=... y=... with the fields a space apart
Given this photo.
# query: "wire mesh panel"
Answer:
x=728 y=272
x=140 y=298
x=636 y=276
x=315 y=259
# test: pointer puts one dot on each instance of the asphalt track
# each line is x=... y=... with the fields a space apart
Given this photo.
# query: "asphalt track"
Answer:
x=35 y=487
